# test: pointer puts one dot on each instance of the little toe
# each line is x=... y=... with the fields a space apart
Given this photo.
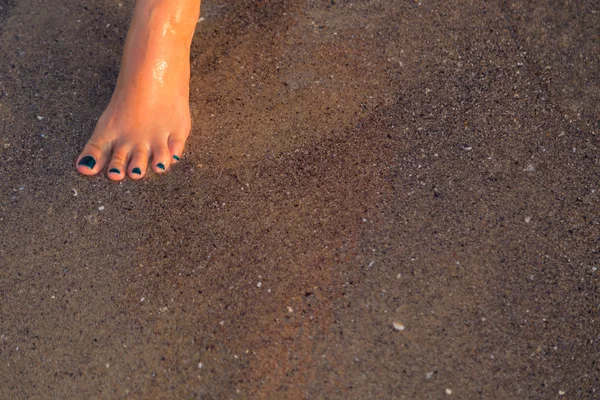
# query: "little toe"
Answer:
x=138 y=164
x=161 y=159
x=176 y=144
x=91 y=160
x=118 y=163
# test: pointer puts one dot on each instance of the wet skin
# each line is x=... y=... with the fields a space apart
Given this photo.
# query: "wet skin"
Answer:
x=148 y=117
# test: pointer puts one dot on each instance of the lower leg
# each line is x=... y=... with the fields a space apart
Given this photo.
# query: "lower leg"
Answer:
x=148 y=115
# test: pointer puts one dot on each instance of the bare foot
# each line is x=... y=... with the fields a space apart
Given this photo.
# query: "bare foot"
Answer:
x=148 y=115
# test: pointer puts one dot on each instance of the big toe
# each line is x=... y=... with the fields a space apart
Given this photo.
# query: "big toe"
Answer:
x=91 y=160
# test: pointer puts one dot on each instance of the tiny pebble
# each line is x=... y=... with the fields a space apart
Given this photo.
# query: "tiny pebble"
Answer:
x=199 y=365
x=222 y=323
x=561 y=392
x=75 y=193
x=529 y=168
x=528 y=219
x=39 y=117
x=259 y=284
x=448 y=391
x=398 y=276
x=107 y=365
x=290 y=309
x=467 y=148
x=429 y=375
x=398 y=326
x=371 y=264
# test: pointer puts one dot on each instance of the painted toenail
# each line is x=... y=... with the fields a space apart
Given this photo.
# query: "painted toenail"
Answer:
x=114 y=171
x=136 y=170
x=88 y=161
x=161 y=166
x=176 y=157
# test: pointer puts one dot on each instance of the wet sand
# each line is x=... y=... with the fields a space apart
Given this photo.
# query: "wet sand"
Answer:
x=352 y=165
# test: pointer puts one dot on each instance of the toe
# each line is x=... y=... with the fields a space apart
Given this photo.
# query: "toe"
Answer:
x=92 y=159
x=161 y=159
x=138 y=164
x=118 y=163
x=176 y=144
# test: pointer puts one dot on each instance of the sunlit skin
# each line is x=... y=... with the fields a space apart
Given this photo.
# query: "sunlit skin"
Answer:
x=148 y=117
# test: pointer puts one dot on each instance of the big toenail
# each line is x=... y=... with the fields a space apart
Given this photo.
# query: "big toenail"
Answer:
x=136 y=170
x=161 y=166
x=88 y=161
x=176 y=157
x=114 y=171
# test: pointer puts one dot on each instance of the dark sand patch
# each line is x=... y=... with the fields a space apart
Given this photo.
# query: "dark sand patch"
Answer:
x=433 y=180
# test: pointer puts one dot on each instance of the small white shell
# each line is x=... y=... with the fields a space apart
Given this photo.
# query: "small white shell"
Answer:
x=398 y=326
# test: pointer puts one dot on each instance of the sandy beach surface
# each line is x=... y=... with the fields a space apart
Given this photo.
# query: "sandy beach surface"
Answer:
x=380 y=199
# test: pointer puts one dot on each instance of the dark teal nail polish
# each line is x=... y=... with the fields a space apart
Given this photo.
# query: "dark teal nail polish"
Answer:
x=161 y=166
x=136 y=170
x=114 y=171
x=176 y=157
x=88 y=161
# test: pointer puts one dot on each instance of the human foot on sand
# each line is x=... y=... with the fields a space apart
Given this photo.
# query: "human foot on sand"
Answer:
x=148 y=115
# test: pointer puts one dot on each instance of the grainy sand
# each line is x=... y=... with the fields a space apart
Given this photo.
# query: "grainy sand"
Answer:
x=355 y=167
